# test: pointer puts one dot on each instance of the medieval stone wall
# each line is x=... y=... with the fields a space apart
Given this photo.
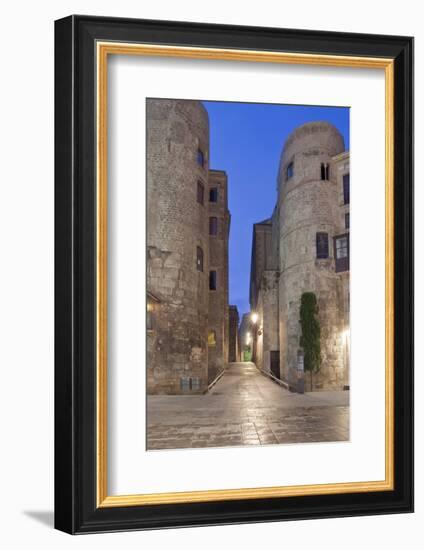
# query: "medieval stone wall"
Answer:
x=309 y=205
x=267 y=324
x=261 y=257
x=177 y=228
x=340 y=167
x=233 y=342
x=218 y=322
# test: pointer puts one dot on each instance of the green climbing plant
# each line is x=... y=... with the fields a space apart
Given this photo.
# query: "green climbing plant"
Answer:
x=310 y=340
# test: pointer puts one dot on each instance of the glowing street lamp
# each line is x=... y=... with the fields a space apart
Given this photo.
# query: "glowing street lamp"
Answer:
x=254 y=318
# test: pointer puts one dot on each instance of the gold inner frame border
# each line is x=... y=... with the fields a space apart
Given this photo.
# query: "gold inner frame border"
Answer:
x=103 y=50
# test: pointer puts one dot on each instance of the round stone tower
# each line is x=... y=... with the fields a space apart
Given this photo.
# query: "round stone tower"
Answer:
x=309 y=202
x=177 y=246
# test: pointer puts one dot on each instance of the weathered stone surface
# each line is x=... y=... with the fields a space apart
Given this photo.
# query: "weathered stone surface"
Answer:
x=218 y=262
x=176 y=226
x=246 y=408
x=267 y=309
x=306 y=205
x=234 y=343
x=183 y=309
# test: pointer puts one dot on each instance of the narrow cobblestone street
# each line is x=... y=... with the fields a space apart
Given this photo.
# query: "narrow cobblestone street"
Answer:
x=246 y=408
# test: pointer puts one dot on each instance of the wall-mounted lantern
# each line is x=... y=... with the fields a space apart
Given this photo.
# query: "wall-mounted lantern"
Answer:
x=152 y=305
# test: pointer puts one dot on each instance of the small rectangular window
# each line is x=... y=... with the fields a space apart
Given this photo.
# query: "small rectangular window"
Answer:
x=347 y=220
x=341 y=248
x=212 y=280
x=199 y=259
x=346 y=189
x=325 y=171
x=341 y=253
x=213 y=194
x=200 y=192
x=200 y=158
x=322 y=245
x=290 y=170
x=213 y=226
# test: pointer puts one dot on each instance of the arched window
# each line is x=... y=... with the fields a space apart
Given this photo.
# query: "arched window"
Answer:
x=290 y=170
x=325 y=171
x=200 y=158
x=200 y=192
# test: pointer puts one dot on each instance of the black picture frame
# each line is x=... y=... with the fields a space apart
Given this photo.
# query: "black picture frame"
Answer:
x=76 y=510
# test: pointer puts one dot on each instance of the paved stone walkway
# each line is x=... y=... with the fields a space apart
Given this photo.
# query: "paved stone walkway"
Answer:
x=246 y=408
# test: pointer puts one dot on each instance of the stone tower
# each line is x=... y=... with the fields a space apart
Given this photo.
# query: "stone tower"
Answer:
x=309 y=220
x=177 y=246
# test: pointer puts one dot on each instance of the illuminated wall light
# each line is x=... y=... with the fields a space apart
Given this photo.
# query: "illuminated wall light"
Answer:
x=345 y=335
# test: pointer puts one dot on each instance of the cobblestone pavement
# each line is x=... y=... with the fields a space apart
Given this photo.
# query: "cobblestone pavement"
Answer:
x=246 y=408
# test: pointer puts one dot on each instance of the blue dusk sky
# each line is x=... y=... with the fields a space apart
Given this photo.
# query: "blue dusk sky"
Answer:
x=246 y=140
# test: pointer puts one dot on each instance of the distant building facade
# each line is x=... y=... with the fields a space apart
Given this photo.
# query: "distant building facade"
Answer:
x=264 y=296
x=245 y=338
x=304 y=247
x=234 y=344
x=187 y=251
x=219 y=230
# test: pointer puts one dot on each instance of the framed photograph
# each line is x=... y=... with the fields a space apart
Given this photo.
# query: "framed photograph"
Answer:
x=234 y=274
